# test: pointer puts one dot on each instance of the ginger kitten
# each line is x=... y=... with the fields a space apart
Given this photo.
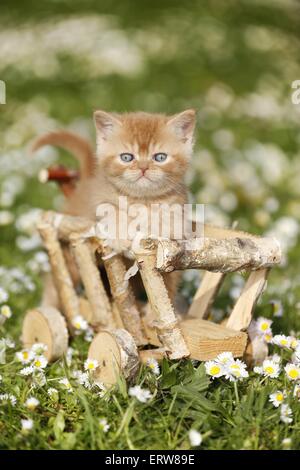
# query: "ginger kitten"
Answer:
x=139 y=155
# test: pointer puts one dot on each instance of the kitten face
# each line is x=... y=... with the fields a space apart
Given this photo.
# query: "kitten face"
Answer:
x=145 y=155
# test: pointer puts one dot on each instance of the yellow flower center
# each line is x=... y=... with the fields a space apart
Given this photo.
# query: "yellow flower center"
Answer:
x=77 y=325
x=279 y=397
x=91 y=365
x=264 y=326
x=293 y=373
x=268 y=338
x=37 y=363
x=25 y=355
x=269 y=369
x=214 y=370
x=283 y=342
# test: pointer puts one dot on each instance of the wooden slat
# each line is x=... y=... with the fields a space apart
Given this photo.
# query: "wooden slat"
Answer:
x=205 y=295
x=241 y=314
x=206 y=340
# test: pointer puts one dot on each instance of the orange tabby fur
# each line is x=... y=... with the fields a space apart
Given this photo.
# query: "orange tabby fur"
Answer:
x=143 y=180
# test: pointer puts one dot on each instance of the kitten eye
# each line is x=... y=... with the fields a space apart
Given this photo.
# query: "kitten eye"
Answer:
x=160 y=157
x=126 y=157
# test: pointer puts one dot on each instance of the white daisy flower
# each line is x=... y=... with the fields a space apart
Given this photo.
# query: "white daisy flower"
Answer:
x=104 y=426
x=27 y=370
x=65 y=382
x=69 y=356
x=258 y=370
x=39 y=348
x=214 y=369
x=225 y=358
x=292 y=371
x=80 y=324
x=277 y=308
x=268 y=337
x=294 y=342
x=5 y=311
x=141 y=394
x=195 y=438
x=276 y=358
x=53 y=393
x=282 y=341
x=153 y=365
x=82 y=378
x=296 y=391
x=286 y=443
x=3 y=295
x=270 y=368
x=263 y=325
x=40 y=362
x=25 y=356
x=91 y=364
x=236 y=371
x=8 y=397
x=27 y=425
x=286 y=414
x=31 y=403
x=296 y=355
x=277 y=398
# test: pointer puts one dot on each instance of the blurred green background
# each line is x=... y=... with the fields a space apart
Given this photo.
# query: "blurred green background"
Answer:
x=233 y=61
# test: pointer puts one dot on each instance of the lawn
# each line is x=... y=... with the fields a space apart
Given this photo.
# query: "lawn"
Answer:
x=235 y=63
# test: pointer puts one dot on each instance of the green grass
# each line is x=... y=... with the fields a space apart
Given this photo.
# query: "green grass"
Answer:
x=235 y=63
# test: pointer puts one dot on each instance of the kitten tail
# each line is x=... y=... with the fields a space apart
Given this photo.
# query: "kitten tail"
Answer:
x=74 y=144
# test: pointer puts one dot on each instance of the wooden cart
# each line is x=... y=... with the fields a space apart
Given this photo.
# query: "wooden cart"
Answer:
x=126 y=335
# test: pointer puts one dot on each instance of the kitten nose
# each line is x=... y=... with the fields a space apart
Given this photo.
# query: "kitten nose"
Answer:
x=143 y=168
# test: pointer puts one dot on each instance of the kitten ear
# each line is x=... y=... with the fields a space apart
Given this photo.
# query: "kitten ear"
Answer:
x=183 y=124
x=105 y=123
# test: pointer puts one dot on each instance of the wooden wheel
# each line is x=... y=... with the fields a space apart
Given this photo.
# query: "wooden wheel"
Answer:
x=46 y=325
x=116 y=353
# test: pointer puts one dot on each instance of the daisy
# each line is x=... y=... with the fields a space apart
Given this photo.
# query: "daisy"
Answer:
x=286 y=414
x=296 y=355
x=104 y=426
x=91 y=364
x=268 y=337
x=296 y=391
x=65 y=382
x=286 y=443
x=292 y=371
x=5 y=311
x=141 y=394
x=263 y=325
x=277 y=398
x=27 y=425
x=31 y=403
x=277 y=308
x=3 y=295
x=8 y=397
x=225 y=358
x=294 y=342
x=25 y=356
x=82 y=378
x=27 y=370
x=80 y=324
x=195 y=438
x=153 y=365
x=39 y=348
x=52 y=393
x=40 y=362
x=282 y=341
x=214 y=369
x=270 y=368
x=236 y=370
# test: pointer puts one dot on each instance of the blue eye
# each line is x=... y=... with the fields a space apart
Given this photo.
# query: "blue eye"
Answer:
x=126 y=157
x=160 y=157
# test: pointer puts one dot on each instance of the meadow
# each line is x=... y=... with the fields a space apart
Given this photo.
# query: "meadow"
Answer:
x=234 y=62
